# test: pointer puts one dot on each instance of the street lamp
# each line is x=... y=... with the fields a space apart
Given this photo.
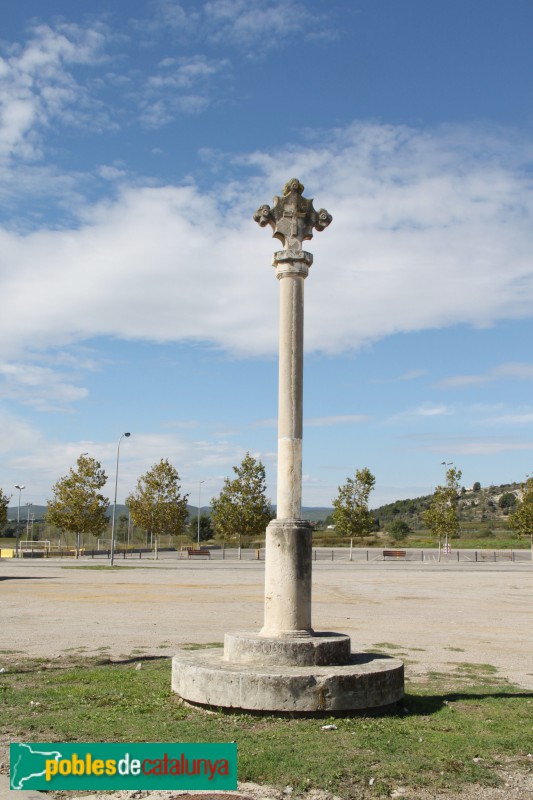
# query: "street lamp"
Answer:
x=20 y=488
x=199 y=493
x=115 y=503
x=446 y=548
x=28 y=521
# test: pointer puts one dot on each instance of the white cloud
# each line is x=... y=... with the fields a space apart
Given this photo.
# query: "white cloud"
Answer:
x=29 y=458
x=508 y=371
x=339 y=419
x=40 y=387
x=432 y=411
x=425 y=410
x=183 y=85
x=518 y=418
x=255 y=24
x=37 y=85
x=477 y=446
x=16 y=435
x=251 y=26
x=424 y=234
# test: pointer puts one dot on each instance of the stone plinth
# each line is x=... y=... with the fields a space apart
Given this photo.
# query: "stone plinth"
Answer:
x=319 y=650
x=365 y=682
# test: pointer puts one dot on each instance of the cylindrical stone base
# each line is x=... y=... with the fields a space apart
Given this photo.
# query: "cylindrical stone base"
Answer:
x=322 y=649
x=365 y=682
x=288 y=579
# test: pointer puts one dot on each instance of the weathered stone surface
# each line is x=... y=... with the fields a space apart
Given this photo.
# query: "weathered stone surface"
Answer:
x=366 y=682
x=322 y=649
x=292 y=217
x=288 y=577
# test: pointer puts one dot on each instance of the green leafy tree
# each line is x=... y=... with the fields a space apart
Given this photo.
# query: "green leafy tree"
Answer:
x=206 y=529
x=507 y=500
x=242 y=509
x=122 y=527
x=521 y=520
x=441 y=517
x=78 y=504
x=4 y=503
x=157 y=504
x=350 y=508
x=399 y=530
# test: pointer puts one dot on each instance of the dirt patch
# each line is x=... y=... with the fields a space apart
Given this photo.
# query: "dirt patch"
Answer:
x=429 y=614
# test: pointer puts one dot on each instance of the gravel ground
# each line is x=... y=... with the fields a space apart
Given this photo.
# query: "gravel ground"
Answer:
x=435 y=616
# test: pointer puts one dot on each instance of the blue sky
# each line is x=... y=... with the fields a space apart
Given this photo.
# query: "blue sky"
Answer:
x=136 y=141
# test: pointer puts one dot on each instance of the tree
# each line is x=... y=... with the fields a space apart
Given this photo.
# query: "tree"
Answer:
x=350 y=508
x=507 y=500
x=399 y=530
x=157 y=504
x=441 y=516
x=206 y=530
x=476 y=487
x=78 y=505
x=122 y=527
x=4 y=503
x=242 y=509
x=521 y=520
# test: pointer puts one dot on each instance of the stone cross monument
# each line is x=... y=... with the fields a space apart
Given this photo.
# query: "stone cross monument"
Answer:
x=288 y=543
x=287 y=666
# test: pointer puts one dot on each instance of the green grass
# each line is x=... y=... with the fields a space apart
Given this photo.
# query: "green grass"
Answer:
x=451 y=729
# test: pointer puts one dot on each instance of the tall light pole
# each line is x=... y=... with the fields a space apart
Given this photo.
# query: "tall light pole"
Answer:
x=446 y=464
x=199 y=494
x=28 y=521
x=115 y=502
x=20 y=487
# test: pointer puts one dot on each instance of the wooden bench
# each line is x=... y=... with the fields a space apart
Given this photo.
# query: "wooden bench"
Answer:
x=394 y=554
x=191 y=553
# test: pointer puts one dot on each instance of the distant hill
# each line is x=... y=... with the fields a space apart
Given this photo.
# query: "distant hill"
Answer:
x=490 y=503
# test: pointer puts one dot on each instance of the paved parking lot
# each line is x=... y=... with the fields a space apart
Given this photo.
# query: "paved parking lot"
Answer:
x=437 y=616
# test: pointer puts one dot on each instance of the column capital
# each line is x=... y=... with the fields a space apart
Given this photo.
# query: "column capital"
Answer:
x=292 y=262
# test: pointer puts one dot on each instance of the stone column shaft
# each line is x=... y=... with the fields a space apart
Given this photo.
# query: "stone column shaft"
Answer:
x=290 y=404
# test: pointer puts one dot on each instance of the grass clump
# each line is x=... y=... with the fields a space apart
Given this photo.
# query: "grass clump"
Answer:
x=450 y=729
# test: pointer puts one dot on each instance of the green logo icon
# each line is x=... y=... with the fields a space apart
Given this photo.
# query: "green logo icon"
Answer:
x=163 y=765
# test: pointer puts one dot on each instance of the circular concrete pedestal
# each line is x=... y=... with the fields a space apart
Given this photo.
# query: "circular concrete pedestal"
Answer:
x=319 y=649
x=366 y=681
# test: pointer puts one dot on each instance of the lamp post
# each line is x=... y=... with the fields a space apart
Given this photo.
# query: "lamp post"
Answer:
x=20 y=487
x=199 y=493
x=115 y=502
x=446 y=464
x=28 y=521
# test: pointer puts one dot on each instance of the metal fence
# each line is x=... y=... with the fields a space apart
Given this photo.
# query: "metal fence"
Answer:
x=319 y=554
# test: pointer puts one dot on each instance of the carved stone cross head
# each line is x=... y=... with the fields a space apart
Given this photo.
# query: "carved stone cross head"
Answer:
x=292 y=217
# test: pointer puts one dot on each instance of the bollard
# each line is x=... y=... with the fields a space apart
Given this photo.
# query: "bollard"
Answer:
x=422 y=555
x=458 y=556
x=257 y=554
x=367 y=555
